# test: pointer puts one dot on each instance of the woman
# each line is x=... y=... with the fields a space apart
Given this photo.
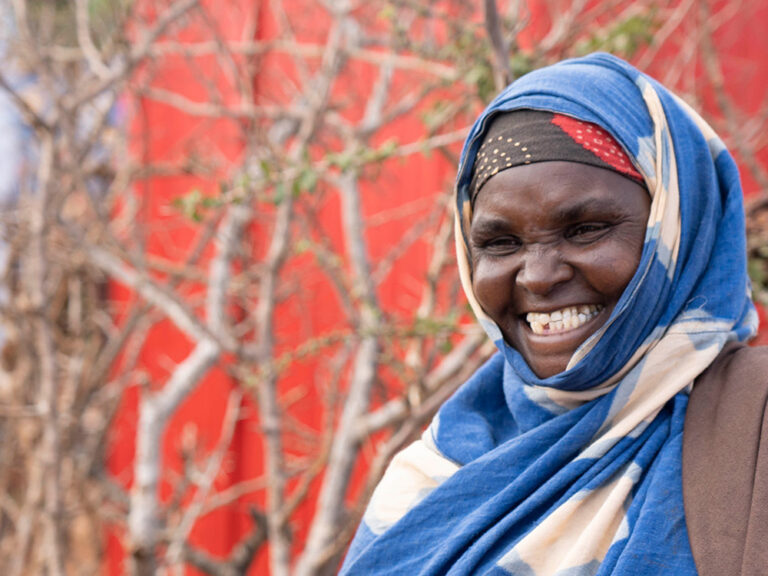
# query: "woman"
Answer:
x=600 y=239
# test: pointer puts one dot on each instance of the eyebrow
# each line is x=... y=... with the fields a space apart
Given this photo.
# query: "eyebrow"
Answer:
x=587 y=206
x=489 y=226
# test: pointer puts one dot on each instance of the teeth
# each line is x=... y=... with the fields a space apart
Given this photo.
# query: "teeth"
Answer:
x=562 y=320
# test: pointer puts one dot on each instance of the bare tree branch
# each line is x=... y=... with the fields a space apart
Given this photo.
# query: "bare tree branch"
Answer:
x=85 y=40
x=212 y=468
x=502 y=74
x=156 y=408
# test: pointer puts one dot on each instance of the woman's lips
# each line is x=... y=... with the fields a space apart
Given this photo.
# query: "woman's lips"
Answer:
x=563 y=320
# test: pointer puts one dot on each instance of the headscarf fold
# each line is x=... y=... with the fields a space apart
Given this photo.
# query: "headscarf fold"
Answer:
x=580 y=473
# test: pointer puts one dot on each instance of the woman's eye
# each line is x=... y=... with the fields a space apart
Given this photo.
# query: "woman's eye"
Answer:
x=587 y=231
x=501 y=244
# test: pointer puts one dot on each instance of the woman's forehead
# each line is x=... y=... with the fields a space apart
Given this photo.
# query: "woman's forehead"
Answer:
x=560 y=191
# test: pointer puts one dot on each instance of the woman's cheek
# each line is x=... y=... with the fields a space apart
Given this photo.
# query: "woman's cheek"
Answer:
x=492 y=283
x=610 y=268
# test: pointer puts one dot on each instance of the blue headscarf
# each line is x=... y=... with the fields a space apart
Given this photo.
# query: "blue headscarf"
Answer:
x=580 y=473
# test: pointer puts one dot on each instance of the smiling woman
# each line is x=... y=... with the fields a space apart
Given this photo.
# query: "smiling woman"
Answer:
x=553 y=246
x=600 y=242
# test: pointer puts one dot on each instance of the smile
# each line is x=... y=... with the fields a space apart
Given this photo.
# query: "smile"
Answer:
x=562 y=320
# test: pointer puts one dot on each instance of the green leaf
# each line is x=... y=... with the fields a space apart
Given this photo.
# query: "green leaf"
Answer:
x=387 y=13
x=279 y=194
x=758 y=273
x=624 y=37
x=189 y=205
x=445 y=346
x=266 y=170
x=307 y=181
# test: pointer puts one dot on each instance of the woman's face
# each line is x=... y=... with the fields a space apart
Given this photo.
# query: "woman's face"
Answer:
x=553 y=245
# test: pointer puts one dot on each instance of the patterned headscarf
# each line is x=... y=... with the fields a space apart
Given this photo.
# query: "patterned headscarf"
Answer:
x=580 y=473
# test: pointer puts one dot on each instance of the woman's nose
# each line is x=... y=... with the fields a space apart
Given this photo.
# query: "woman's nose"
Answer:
x=542 y=268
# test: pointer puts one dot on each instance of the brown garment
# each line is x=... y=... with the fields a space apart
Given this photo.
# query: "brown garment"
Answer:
x=725 y=464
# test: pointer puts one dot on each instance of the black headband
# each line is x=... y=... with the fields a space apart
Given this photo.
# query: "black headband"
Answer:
x=529 y=136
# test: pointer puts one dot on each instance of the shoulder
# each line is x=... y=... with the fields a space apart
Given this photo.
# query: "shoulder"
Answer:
x=725 y=462
x=728 y=402
x=735 y=383
x=738 y=359
x=729 y=399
